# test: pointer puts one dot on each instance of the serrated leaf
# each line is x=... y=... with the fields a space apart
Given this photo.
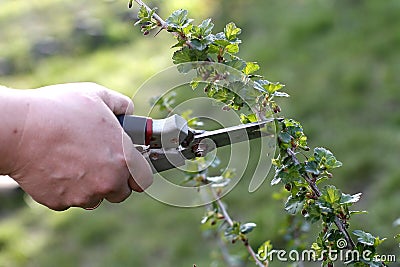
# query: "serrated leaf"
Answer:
x=326 y=158
x=181 y=56
x=364 y=237
x=178 y=19
x=316 y=247
x=232 y=48
x=251 y=67
x=221 y=42
x=273 y=87
x=205 y=28
x=331 y=194
x=231 y=31
x=188 y=55
x=350 y=199
x=294 y=205
x=247 y=228
x=143 y=13
x=285 y=137
x=199 y=44
x=312 y=167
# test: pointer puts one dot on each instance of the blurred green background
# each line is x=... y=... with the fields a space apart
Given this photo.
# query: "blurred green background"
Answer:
x=339 y=59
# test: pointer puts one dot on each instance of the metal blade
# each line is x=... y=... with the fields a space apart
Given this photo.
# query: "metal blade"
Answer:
x=226 y=136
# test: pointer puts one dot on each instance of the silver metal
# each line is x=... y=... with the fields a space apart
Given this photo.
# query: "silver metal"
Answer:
x=172 y=142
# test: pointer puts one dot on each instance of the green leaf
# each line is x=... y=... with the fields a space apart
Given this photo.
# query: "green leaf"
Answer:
x=294 y=205
x=264 y=250
x=326 y=158
x=316 y=247
x=248 y=118
x=273 y=87
x=288 y=174
x=312 y=167
x=231 y=31
x=205 y=28
x=232 y=232
x=364 y=237
x=143 y=13
x=331 y=194
x=199 y=44
x=232 y=48
x=188 y=55
x=236 y=64
x=182 y=56
x=178 y=19
x=247 y=228
x=221 y=42
x=350 y=199
x=285 y=137
x=251 y=67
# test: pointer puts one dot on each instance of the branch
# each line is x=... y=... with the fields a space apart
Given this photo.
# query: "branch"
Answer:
x=161 y=22
x=338 y=222
x=229 y=220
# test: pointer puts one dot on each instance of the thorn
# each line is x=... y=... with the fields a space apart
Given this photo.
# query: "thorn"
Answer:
x=158 y=32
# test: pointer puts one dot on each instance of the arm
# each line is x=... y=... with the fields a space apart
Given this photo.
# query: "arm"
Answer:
x=65 y=147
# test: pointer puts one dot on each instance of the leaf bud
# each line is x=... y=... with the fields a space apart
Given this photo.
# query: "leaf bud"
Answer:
x=146 y=33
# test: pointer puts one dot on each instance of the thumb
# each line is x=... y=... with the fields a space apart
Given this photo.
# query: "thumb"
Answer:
x=118 y=103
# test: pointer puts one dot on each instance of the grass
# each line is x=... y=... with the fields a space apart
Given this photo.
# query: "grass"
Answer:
x=340 y=64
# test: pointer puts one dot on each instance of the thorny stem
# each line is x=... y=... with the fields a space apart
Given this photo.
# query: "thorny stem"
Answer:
x=162 y=22
x=338 y=222
x=155 y=15
x=229 y=220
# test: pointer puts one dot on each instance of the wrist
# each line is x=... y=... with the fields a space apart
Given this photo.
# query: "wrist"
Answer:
x=13 y=110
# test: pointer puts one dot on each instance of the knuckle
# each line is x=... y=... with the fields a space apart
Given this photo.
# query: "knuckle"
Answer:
x=107 y=186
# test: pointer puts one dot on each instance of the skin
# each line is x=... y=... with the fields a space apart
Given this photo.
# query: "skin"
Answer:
x=64 y=146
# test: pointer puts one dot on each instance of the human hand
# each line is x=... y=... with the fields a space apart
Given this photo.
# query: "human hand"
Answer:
x=72 y=152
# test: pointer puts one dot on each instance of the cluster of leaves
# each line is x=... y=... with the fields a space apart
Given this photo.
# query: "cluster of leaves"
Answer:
x=329 y=205
x=199 y=45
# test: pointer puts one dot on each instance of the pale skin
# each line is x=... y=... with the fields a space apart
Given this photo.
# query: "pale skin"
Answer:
x=64 y=146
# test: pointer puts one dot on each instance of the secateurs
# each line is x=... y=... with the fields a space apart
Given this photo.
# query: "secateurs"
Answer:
x=167 y=143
